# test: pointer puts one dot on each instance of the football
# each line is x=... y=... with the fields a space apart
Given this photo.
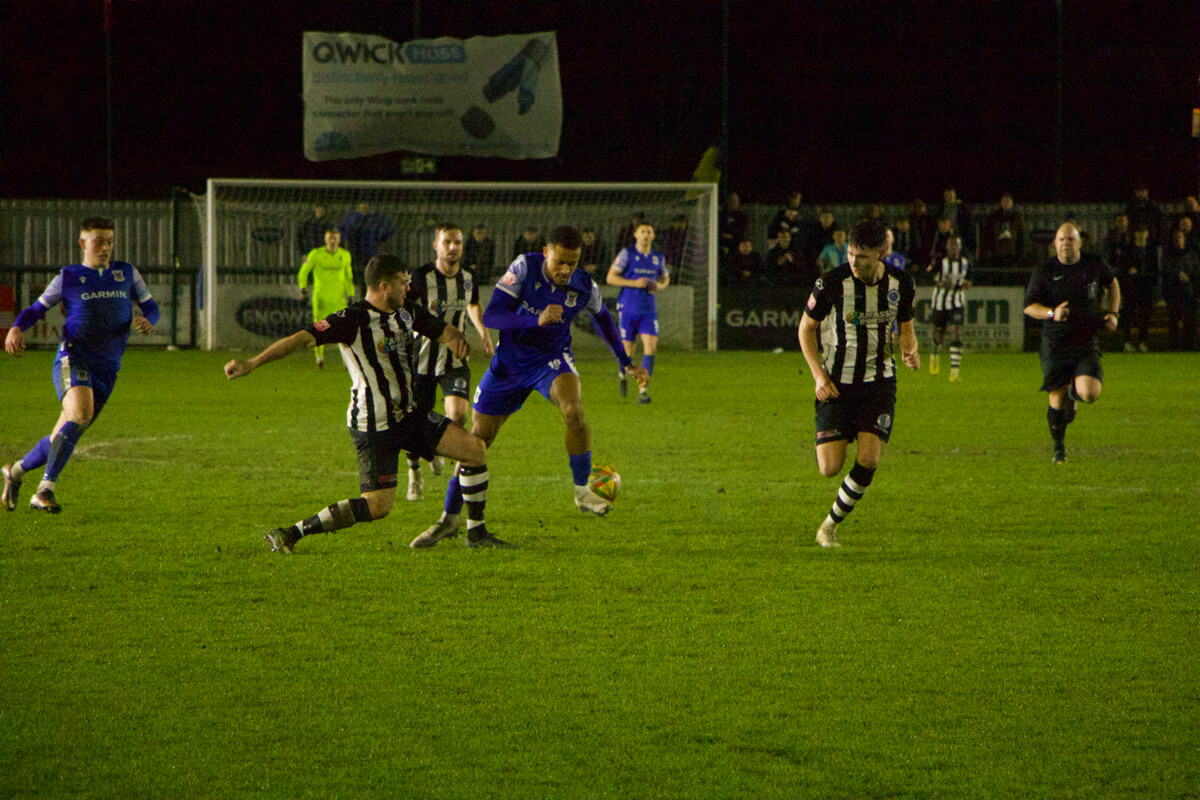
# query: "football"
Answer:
x=605 y=482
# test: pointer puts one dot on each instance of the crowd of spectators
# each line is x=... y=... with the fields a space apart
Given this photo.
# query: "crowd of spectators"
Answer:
x=1156 y=256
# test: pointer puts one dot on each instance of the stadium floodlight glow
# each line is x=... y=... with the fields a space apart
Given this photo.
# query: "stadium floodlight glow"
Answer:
x=249 y=230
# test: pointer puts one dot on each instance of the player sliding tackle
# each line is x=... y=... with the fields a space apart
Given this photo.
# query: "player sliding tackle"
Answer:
x=376 y=337
x=533 y=307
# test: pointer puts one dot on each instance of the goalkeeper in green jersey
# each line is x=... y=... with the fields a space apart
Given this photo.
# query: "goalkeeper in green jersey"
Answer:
x=333 y=281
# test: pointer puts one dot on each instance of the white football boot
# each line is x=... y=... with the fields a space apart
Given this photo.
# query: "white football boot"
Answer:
x=588 y=501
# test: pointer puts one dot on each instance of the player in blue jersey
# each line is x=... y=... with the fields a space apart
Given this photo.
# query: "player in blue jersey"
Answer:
x=533 y=307
x=98 y=298
x=640 y=271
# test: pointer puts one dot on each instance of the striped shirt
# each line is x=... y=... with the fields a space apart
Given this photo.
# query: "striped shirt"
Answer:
x=378 y=350
x=447 y=299
x=951 y=296
x=856 y=338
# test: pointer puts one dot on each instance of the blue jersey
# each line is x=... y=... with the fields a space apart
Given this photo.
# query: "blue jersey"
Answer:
x=99 y=308
x=530 y=346
x=632 y=265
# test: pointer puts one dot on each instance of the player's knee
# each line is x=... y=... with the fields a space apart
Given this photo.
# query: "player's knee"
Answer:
x=378 y=507
x=829 y=467
x=1089 y=394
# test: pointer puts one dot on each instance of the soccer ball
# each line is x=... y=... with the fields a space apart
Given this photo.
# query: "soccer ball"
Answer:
x=605 y=482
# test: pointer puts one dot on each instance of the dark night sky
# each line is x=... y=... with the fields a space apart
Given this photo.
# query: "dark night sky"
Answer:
x=849 y=101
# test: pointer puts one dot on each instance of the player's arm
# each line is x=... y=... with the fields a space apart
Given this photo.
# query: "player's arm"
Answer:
x=305 y=271
x=616 y=277
x=475 y=313
x=283 y=348
x=1037 y=303
x=908 y=345
x=663 y=281
x=809 y=334
x=347 y=273
x=150 y=312
x=14 y=342
x=606 y=326
x=503 y=314
x=1114 y=304
x=452 y=337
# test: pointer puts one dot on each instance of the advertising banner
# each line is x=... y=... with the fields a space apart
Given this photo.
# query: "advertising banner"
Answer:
x=750 y=319
x=485 y=96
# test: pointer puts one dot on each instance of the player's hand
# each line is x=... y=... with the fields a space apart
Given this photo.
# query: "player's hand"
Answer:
x=488 y=347
x=642 y=283
x=639 y=374
x=1110 y=321
x=1061 y=312
x=459 y=347
x=826 y=389
x=14 y=343
x=550 y=314
x=237 y=369
x=912 y=359
x=142 y=325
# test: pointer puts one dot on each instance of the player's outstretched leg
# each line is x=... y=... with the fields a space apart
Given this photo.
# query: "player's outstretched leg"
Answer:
x=853 y=487
x=62 y=445
x=340 y=515
x=474 y=483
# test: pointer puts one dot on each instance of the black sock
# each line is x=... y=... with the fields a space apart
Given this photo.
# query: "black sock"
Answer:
x=1057 y=419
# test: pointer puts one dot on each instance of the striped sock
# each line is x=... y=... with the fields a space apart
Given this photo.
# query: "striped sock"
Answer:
x=335 y=517
x=850 y=492
x=474 y=483
x=956 y=349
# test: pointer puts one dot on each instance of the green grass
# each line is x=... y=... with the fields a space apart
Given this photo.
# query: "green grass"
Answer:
x=994 y=627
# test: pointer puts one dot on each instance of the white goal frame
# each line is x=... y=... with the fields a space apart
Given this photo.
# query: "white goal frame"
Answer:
x=708 y=191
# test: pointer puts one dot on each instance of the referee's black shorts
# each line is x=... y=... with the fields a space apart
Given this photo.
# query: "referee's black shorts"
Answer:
x=858 y=408
x=1060 y=366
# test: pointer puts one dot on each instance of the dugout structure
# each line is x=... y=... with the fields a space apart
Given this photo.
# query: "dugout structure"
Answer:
x=250 y=234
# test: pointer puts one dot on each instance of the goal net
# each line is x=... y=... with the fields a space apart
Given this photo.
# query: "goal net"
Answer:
x=254 y=233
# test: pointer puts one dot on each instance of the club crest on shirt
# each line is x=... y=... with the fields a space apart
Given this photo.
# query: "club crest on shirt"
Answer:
x=571 y=298
x=893 y=296
x=118 y=275
x=406 y=318
x=468 y=285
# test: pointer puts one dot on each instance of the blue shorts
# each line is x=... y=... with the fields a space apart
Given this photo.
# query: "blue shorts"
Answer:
x=500 y=396
x=70 y=371
x=634 y=324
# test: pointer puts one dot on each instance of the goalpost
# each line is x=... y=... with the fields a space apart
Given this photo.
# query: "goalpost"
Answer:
x=251 y=252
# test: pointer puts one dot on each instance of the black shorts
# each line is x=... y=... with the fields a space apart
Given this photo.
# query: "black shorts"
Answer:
x=943 y=318
x=379 y=452
x=455 y=383
x=1060 y=368
x=858 y=408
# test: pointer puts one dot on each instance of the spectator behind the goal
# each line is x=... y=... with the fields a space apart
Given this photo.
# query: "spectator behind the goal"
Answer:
x=531 y=241
x=479 y=254
x=675 y=241
x=593 y=254
x=310 y=234
x=363 y=231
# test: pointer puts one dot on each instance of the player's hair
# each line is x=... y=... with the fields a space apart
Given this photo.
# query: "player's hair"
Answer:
x=329 y=228
x=446 y=226
x=644 y=223
x=96 y=224
x=383 y=267
x=565 y=236
x=869 y=234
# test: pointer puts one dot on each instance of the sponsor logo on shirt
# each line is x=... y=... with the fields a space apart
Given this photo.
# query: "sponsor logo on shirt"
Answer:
x=101 y=294
x=869 y=317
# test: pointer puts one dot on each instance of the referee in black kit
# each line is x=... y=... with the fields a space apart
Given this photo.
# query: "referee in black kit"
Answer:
x=1075 y=294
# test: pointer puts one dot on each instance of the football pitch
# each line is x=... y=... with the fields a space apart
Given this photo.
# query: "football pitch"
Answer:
x=994 y=626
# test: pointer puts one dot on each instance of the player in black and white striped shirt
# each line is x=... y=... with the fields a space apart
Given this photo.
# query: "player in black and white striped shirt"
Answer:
x=851 y=311
x=950 y=277
x=376 y=336
x=447 y=291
